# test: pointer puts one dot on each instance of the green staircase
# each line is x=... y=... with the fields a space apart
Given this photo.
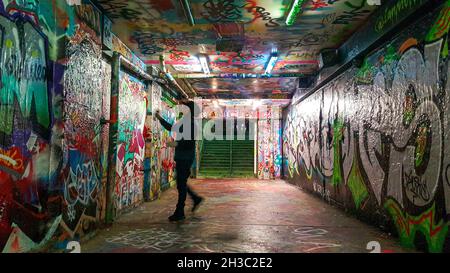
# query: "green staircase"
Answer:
x=227 y=158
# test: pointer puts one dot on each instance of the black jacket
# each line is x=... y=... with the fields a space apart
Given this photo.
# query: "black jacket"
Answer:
x=185 y=149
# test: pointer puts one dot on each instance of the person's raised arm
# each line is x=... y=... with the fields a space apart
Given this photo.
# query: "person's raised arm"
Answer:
x=163 y=122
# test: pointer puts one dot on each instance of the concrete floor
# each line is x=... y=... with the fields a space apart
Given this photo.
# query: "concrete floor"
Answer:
x=241 y=216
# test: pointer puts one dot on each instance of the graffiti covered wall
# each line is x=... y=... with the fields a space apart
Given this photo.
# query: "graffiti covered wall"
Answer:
x=376 y=139
x=161 y=173
x=27 y=156
x=131 y=144
x=49 y=181
x=156 y=163
x=167 y=153
x=269 y=143
x=84 y=77
x=54 y=96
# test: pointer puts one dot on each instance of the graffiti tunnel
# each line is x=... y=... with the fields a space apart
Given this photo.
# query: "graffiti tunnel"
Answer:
x=291 y=119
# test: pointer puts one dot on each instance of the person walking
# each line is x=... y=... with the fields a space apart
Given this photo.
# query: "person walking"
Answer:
x=184 y=158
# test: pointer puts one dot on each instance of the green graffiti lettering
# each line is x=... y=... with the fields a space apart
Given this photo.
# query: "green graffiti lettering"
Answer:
x=356 y=183
x=24 y=75
x=338 y=128
x=408 y=226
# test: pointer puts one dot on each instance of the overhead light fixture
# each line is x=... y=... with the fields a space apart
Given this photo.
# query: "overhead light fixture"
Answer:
x=188 y=12
x=272 y=61
x=170 y=76
x=204 y=63
x=296 y=8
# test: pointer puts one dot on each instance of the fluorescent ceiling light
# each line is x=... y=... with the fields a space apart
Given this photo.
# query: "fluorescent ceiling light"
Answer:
x=170 y=76
x=204 y=63
x=296 y=8
x=187 y=11
x=271 y=64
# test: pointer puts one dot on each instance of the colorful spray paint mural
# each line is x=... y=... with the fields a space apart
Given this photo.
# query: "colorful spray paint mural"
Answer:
x=238 y=36
x=167 y=153
x=26 y=156
x=156 y=163
x=270 y=88
x=54 y=99
x=82 y=145
x=154 y=28
x=106 y=115
x=131 y=143
x=120 y=47
x=54 y=94
x=160 y=168
x=376 y=139
x=269 y=143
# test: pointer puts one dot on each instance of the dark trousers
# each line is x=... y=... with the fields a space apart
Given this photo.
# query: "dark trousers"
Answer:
x=183 y=168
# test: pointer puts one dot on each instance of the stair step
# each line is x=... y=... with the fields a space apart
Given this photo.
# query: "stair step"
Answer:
x=227 y=174
x=242 y=160
x=217 y=162
x=215 y=168
x=216 y=155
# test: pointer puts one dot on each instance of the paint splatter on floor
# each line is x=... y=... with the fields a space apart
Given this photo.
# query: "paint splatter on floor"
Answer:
x=241 y=216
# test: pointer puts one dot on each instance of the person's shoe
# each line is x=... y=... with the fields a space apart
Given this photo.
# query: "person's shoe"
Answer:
x=176 y=217
x=197 y=203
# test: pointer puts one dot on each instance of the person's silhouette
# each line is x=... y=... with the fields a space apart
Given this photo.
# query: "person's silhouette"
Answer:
x=184 y=158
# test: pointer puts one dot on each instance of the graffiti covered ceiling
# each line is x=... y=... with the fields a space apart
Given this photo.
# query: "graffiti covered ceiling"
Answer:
x=244 y=88
x=238 y=36
x=249 y=105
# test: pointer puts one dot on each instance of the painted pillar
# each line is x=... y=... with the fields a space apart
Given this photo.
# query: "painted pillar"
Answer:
x=148 y=143
x=167 y=153
x=269 y=143
x=113 y=133
x=155 y=187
